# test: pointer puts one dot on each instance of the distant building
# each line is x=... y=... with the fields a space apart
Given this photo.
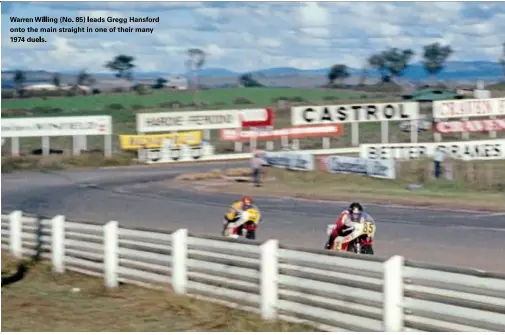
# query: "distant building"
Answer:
x=177 y=82
x=41 y=87
x=52 y=87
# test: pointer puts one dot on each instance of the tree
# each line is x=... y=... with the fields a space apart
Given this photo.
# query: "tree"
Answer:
x=435 y=55
x=391 y=63
x=123 y=65
x=195 y=61
x=247 y=80
x=56 y=80
x=160 y=83
x=377 y=62
x=84 y=78
x=338 y=72
x=19 y=81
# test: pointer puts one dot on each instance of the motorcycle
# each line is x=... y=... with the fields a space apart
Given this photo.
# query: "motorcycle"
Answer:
x=358 y=238
x=251 y=218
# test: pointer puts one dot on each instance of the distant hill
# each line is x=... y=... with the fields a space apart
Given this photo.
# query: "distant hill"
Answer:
x=454 y=71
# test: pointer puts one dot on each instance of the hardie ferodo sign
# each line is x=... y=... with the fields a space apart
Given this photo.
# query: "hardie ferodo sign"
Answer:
x=179 y=121
x=372 y=112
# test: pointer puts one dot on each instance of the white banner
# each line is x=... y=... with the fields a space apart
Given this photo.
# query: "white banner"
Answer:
x=293 y=160
x=57 y=126
x=181 y=153
x=446 y=109
x=466 y=150
x=178 y=121
x=372 y=112
x=369 y=167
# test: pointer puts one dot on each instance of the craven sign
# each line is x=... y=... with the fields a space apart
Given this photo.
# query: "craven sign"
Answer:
x=373 y=112
x=462 y=126
x=468 y=108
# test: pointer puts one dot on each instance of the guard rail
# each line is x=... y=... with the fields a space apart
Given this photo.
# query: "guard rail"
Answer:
x=333 y=291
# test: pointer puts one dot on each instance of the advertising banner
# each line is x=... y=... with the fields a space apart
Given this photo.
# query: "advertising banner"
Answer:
x=182 y=153
x=371 y=112
x=293 y=160
x=237 y=135
x=155 y=141
x=465 y=150
x=470 y=126
x=201 y=120
x=446 y=109
x=261 y=117
x=179 y=121
x=369 y=167
x=57 y=126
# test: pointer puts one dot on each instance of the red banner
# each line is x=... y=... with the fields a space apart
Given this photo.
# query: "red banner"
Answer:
x=257 y=118
x=469 y=126
x=236 y=135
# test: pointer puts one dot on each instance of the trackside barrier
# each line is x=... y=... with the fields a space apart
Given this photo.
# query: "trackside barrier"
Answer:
x=333 y=291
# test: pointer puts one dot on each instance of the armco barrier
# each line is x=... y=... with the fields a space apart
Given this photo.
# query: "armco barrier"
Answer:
x=334 y=291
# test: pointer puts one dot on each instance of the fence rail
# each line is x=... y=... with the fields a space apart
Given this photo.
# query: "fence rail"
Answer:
x=334 y=291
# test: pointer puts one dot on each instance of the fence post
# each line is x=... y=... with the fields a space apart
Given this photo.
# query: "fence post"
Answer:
x=179 y=261
x=111 y=253
x=269 y=279
x=58 y=243
x=15 y=228
x=393 y=294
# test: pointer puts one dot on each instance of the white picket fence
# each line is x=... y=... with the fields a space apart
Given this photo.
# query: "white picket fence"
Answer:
x=332 y=291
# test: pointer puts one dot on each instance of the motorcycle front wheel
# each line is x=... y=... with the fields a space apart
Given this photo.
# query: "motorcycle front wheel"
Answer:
x=367 y=250
x=364 y=250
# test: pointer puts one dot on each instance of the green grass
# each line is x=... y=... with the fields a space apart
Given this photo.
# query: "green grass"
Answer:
x=476 y=185
x=213 y=97
x=124 y=106
x=45 y=302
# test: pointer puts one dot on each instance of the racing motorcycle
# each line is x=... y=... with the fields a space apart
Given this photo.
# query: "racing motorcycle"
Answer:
x=357 y=238
x=251 y=218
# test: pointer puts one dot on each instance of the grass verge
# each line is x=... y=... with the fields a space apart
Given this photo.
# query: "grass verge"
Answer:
x=225 y=97
x=44 y=302
x=476 y=186
x=27 y=163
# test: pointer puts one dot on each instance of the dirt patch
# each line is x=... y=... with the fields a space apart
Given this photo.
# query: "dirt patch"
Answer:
x=74 y=302
x=228 y=174
x=458 y=194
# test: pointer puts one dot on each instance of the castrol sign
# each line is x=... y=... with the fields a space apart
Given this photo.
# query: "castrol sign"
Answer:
x=469 y=126
x=447 y=109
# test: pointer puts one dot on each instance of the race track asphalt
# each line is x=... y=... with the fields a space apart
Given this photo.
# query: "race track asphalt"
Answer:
x=134 y=196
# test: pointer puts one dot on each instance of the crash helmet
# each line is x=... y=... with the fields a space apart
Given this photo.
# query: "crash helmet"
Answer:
x=247 y=202
x=355 y=211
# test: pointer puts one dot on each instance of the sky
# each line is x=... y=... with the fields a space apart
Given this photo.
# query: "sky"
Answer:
x=245 y=36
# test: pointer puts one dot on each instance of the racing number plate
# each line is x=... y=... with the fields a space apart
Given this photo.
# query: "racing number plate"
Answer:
x=369 y=228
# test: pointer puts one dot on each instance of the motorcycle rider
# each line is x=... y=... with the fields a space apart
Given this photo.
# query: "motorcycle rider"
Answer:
x=234 y=215
x=352 y=214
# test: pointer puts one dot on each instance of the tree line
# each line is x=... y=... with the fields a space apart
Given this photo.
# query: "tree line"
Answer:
x=393 y=62
x=390 y=63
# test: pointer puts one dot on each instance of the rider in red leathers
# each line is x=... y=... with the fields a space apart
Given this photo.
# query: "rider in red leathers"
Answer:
x=352 y=214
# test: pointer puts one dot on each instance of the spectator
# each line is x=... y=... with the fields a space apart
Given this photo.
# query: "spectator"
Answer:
x=438 y=160
x=256 y=164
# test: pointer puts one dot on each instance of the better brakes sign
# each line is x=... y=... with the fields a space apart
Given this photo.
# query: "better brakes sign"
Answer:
x=465 y=150
x=373 y=112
